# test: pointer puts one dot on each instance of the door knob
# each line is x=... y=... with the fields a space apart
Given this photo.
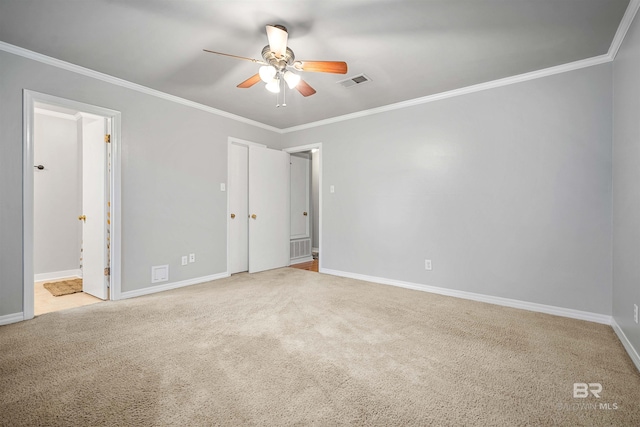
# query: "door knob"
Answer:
x=233 y=216
x=254 y=216
x=304 y=213
x=82 y=218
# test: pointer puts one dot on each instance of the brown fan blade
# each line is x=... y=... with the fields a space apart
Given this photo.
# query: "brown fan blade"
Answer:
x=236 y=56
x=277 y=35
x=304 y=88
x=336 y=67
x=250 y=81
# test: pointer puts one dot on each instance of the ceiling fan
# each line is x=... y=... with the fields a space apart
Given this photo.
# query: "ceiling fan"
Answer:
x=278 y=61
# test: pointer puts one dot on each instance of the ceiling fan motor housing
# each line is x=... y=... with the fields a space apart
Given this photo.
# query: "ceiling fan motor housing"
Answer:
x=281 y=63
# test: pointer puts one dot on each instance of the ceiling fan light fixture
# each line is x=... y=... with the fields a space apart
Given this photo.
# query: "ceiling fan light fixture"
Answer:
x=292 y=79
x=277 y=58
x=267 y=73
x=273 y=86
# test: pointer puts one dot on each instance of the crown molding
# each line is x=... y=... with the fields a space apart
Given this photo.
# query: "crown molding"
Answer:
x=621 y=32
x=584 y=63
x=25 y=53
x=625 y=23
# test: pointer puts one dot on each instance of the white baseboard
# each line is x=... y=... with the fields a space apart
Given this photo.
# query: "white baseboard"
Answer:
x=301 y=260
x=55 y=275
x=174 y=285
x=315 y=250
x=506 y=302
x=11 y=318
x=633 y=353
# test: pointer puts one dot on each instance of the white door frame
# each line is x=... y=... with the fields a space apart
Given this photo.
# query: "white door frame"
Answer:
x=309 y=147
x=237 y=141
x=30 y=98
x=309 y=195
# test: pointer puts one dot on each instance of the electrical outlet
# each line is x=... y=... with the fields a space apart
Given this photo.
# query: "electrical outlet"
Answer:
x=635 y=312
x=427 y=264
x=192 y=257
x=185 y=261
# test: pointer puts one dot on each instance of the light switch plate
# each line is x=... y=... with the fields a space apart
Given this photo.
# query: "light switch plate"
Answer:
x=332 y=189
x=223 y=186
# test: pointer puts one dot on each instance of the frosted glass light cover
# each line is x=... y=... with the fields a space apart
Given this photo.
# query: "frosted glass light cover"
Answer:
x=267 y=73
x=273 y=86
x=291 y=79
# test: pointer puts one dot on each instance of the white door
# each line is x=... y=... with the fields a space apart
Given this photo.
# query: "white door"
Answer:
x=238 y=208
x=269 y=201
x=300 y=172
x=94 y=197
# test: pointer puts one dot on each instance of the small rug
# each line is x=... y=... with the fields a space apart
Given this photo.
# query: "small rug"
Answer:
x=65 y=287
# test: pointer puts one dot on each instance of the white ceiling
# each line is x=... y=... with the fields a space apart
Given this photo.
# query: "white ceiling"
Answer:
x=409 y=49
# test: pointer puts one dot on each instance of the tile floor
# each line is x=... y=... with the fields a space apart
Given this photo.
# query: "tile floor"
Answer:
x=44 y=302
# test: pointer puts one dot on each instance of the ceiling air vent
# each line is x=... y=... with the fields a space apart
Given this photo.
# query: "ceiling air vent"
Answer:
x=355 y=80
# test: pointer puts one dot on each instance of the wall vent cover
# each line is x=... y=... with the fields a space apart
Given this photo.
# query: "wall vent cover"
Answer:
x=354 y=81
x=300 y=248
x=159 y=273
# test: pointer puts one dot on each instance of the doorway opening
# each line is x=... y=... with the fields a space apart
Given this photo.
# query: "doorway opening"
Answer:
x=71 y=204
x=306 y=210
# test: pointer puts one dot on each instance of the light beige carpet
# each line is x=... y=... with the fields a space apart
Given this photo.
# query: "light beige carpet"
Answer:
x=64 y=287
x=292 y=347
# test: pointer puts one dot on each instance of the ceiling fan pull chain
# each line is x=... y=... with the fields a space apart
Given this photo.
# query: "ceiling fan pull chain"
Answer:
x=284 y=94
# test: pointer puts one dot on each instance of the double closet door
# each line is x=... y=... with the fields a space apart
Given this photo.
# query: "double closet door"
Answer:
x=259 y=208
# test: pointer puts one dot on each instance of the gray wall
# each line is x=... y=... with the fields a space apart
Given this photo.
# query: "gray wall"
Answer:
x=56 y=195
x=173 y=159
x=626 y=184
x=507 y=191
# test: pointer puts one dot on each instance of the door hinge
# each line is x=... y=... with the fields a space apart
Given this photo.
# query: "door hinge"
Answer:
x=107 y=138
x=107 y=271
